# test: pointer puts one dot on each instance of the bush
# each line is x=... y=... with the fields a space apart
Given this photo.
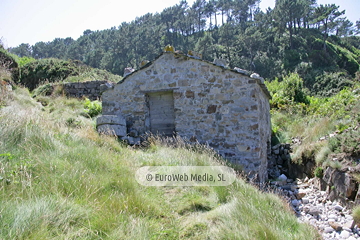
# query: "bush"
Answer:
x=356 y=214
x=25 y=60
x=348 y=142
x=43 y=90
x=50 y=70
x=92 y=108
x=287 y=92
x=9 y=63
x=319 y=172
x=330 y=83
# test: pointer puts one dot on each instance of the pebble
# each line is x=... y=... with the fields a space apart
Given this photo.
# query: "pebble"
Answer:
x=332 y=220
x=328 y=230
x=344 y=234
x=338 y=208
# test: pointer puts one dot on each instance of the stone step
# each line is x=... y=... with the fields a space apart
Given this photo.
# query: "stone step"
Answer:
x=110 y=119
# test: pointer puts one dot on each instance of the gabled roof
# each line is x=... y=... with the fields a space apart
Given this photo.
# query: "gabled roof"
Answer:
x=259 y=80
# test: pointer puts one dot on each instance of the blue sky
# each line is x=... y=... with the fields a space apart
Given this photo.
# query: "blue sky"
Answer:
x=31 y=21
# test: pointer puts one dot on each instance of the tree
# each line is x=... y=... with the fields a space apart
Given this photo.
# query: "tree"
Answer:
x=23 y=50
x=290 y=14
x=210 y=10
x=205 y=46
x=357 y=30
x=198 y=9
x=343 y=27
x=325 y=16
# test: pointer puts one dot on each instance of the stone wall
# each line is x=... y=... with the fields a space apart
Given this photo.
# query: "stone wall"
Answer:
x=223 y=108
x=90 y=89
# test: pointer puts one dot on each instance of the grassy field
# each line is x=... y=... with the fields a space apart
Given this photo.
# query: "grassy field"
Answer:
x=60 y=179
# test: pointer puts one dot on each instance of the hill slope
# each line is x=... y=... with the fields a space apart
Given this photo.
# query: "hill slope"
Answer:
x=60 y=179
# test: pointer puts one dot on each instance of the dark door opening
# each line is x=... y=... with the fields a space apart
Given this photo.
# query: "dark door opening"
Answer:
x=162 y=117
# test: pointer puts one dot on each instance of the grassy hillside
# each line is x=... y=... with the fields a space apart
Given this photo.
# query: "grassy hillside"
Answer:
x=59 y=179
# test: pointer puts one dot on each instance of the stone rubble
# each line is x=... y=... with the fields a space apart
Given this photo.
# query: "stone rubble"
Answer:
x=312 y=206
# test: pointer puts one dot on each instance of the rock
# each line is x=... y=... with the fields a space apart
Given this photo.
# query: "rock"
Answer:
x=295 y=203
x=106 y=86
x=128 y=71
x=275 y=147
x=242 y=71
x=118 y=130
x=336 y=226
x=220 y=62
x=300 y=194
x=314 y=211
x=344 y=234
x=328 y=230
x=110 y=119
x=131 y=140
x=282 y=177
x=338 y=208
x=286 y=187
x=333 y=216
x=305 y=200
x=257 y=76
x=349 y=224
x=133 y=133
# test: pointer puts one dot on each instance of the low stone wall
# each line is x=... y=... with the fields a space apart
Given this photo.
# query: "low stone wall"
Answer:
x=279 y=160
x=338 y=184
x=89 y=89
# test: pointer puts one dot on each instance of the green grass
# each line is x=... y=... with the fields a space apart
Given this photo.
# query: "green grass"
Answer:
x=65 y=181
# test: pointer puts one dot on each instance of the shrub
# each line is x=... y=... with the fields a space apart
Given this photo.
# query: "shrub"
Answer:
x=347 y=142
x=330 y=83
x=290 y=91
x=25 y=60
x=43 y=90
x=356 y=214
x=92 y=108
x=319 y=172
x=9 y=63
x=50 y=70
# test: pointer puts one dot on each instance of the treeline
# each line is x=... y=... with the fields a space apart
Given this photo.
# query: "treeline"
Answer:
x=317 y=42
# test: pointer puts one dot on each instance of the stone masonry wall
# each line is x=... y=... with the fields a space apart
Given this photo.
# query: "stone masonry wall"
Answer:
x=90 y=89
x=223 y=108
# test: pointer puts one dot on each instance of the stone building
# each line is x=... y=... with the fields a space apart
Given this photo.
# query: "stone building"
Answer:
x=198 y=100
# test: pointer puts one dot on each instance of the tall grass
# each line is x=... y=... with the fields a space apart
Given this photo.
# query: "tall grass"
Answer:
x=61 y=181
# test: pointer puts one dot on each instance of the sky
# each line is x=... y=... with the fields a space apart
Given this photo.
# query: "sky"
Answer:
x=32 y=21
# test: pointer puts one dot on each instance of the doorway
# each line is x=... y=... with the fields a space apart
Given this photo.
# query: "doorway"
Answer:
x=162 y=116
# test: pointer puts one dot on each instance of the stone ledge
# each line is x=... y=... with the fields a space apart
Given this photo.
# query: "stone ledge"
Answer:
x=110 y=119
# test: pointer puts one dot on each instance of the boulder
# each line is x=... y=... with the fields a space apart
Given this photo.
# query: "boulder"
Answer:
x=337 y=227
x=110 y=119
x=118 y=130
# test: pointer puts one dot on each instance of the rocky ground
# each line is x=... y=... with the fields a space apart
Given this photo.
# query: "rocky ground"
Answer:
x=312 y=206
